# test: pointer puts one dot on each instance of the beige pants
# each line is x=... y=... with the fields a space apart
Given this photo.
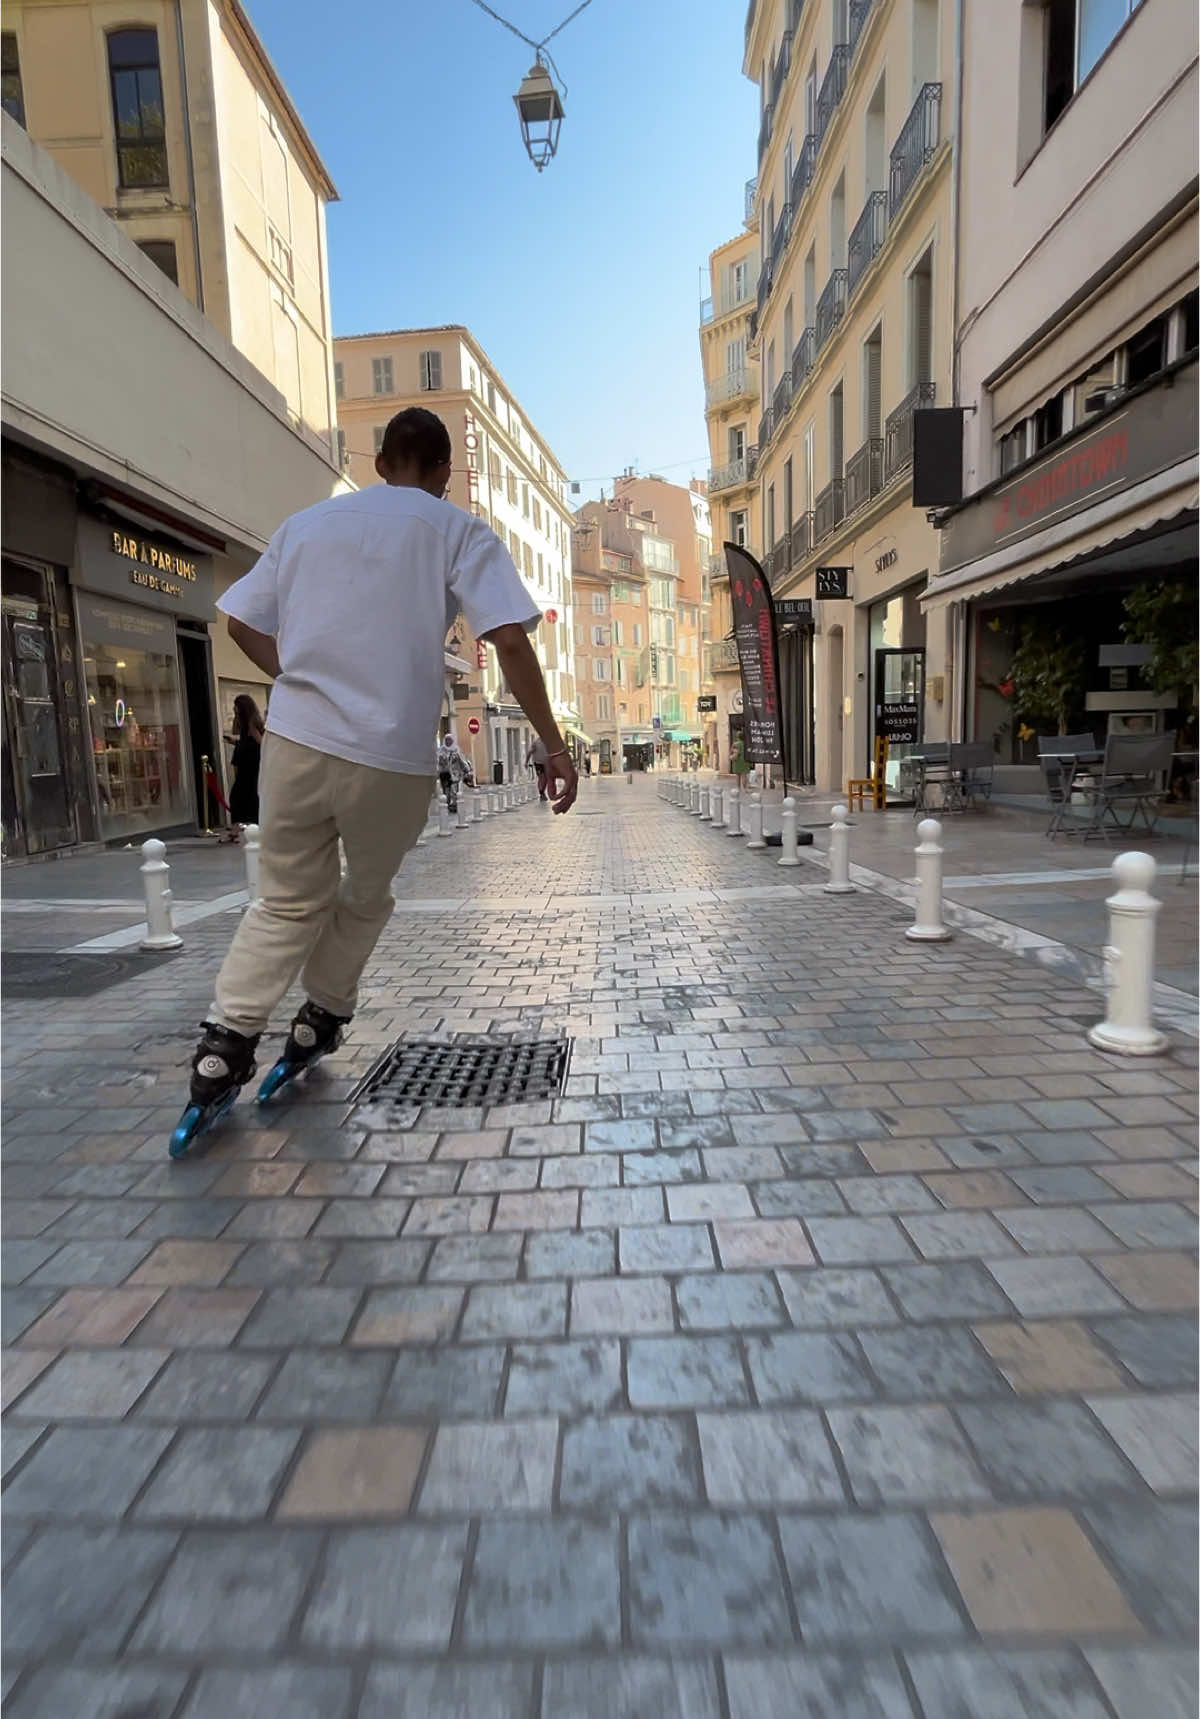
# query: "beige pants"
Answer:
x=307 y=915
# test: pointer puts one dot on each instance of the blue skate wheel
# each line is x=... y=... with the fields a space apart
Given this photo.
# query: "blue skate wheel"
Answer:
x=189 y=1125
x=277 y=1077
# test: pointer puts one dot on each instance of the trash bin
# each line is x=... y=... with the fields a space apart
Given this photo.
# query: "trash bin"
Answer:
x=498 y=773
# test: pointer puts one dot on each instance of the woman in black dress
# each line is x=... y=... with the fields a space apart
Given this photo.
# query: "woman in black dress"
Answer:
x=247 y=740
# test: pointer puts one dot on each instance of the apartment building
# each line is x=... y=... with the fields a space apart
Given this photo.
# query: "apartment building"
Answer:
x=851 y=329
x=612 y=629
x=1077 y=343
x=172 y=118
x=505 y=473
x=731 y=396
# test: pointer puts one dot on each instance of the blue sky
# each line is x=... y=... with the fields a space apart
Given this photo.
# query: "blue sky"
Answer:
x=582 y=283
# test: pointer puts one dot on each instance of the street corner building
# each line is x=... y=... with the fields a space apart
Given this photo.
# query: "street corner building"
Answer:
x=949 y=365
x=168 y=400
x=503 y=472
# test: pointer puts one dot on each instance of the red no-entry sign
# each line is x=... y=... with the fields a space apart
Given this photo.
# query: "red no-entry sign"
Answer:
x=473 y=725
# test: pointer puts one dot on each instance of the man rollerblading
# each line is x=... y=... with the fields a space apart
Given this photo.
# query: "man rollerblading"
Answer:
x=348 y=611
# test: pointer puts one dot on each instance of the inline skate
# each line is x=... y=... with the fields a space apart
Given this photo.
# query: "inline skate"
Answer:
x=315 y=1032
x=223 y=1063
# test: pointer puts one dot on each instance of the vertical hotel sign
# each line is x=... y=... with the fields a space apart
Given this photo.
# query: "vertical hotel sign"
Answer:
x=758 y=657
x=471 y=443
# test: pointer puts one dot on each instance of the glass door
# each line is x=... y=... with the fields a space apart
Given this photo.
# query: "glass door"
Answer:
x=899 y=706
x=38 y=813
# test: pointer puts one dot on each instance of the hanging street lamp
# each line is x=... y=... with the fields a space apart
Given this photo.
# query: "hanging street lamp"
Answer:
x=541 y=112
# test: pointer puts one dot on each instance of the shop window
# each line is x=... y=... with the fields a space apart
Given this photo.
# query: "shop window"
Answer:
x=1146 y=353
x=138 y=115
x=12 y=97
x=161 y=253
x=1048 y=423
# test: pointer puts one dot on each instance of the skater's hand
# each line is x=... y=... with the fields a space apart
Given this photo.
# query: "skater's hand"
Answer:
x=561 y=781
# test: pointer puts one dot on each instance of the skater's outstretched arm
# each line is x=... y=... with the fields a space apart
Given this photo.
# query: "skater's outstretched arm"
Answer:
x=523 y=673
x=259 y=647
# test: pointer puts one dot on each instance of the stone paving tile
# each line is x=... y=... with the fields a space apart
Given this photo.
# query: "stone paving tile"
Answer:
x=665 y=1247
x=625 y=1461
x=564 y=1378
x=703 y=1581
x=78 y=1591
x=1055 y=1229
x=1059 y=1185
x=859 y=1241
x=685 y=1372
x=1157 y=1434
x=777 y=1458
x=1031 y=1572
x=1153 y=1282
x=300 y=1691
x=20 y=1368
x=86 y=1474
x=202 y=1386
x=548 y=1583
x=874 y=1578
x=998 y=1685
x=761 y=1241
x=284 y=1317
x=815 y=1686
x=727 y=1301
x=1156 y=1680
x=1146 y=1224
x=100 y=1385
x=968 y=1188
x=621 y=1307
x=833 y=1297
x=96 y=1263
x=1052 y=1286
x=225 y=1595
x=96 y=1694
x=1159 y=1350
x=905 y=1455
x=1151 y=1546
x=475 y=1259
x=218 y=1475
x=407 y=1316
x=565 y=1253
x=196 y=1318
x=930 y=1362
x=326 y=1385
x=436 y=1383
x=480 y=1469
x=386 y=1589
x=629 y=1689
x=1048 y=1357
x=808 y=1367
x=610 y=1208
x=444 y=1691
x=1043 y=1450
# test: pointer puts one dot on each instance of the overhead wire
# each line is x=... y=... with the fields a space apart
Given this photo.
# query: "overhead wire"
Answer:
x=539 y=48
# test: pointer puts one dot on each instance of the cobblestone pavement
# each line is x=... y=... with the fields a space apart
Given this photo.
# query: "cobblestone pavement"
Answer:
x=827 y=1351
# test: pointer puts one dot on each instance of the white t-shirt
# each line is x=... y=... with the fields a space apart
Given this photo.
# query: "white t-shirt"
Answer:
x=360 y=592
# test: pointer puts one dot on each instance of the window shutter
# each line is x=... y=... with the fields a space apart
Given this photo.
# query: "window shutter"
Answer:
x=874 y=357
x=923 y=329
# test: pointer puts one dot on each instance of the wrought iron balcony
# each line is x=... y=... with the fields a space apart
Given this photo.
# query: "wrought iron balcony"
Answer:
x=753 y=331
x=919 y=138
x=766 y=280
x=734 y=385
x=804 y=356
x=866 y=239
x=779 y=70
x=831 y=307
x=781 y=399
x=860 y=11
x=829 y=511
x=898 y=430
x=751 y=192
x=802 y=538
x=736 y=472
x=781 y=558
x=864 y=474
x=804 y=169
x=833 y=88
x=795 y=10
x=781 y=235
x=722 y=656
x=766 y=427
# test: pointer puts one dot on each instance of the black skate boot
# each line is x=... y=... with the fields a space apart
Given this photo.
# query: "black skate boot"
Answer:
x=315 y=1032
x=223 y=1063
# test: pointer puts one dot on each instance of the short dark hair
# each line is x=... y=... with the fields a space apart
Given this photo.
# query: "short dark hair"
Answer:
x=416 y=437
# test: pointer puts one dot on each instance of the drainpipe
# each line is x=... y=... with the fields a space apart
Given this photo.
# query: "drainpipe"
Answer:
x=187 y=144
x=955 y=191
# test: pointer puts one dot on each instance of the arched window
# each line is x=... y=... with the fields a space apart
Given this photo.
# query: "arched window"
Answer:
x=138 y=117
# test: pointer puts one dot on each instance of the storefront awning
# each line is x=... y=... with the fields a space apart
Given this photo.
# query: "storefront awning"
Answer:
x=578 y=734
x=1159 y=531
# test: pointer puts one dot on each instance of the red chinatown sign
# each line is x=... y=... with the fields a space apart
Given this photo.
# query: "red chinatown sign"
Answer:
x=1064 y=483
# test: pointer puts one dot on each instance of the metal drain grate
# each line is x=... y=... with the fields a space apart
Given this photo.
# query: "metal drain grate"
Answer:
x=466 y=1071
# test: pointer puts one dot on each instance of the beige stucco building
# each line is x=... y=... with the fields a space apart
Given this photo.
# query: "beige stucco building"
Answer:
x=505 y=472
x=146 y=462
x=170 y=115
x=1076 y=344
x=854 y=209
x=612 y=631
x=731 y=410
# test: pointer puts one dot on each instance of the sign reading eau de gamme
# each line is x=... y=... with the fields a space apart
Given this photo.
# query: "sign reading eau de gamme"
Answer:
x=145 y=570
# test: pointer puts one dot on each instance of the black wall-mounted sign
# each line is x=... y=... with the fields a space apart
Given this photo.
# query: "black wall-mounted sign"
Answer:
x=937 y=456
x=833 y=581
x=706 y=701
x=794 y=611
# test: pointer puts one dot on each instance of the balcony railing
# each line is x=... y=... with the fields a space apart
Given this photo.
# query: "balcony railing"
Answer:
x=737 y=471
x=764 y=132
x=804 y=169
x=753 y=331
x=781 y=399
x=781 y=235
x=860 y=11
x=833 y=88
x=780 y=558
x=706 y=310
x=766 y=279
x=722 y=656
x=779 y=70
x=864 y=474
x=802 y=538
x=829 y=511
x=751 y=191
x=870 y=230
x=898 y=430
x=766 y=427
x=732 y=386
x=918 y=139
x=804 y=356
x=831 y=307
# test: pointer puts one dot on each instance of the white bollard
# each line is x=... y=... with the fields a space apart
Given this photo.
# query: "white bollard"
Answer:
x=733 y=819
x=705 y=808
x=790 y=855
x=1128 y=1025
x=250 y=844
x=156 y=881
x=839 y=854
x=716 y=801
x=464 y=816
x=929 y=927
x=757 y=839
x=445 y=827
x=478 y=808
x=694 y=798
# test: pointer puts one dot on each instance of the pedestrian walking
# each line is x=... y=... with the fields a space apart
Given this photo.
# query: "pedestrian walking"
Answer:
x=347 y=611
x=247 y=738
x=453 y=770
x=538 y=757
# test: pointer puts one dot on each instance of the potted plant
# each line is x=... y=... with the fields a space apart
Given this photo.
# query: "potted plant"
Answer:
x=1048 y=675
